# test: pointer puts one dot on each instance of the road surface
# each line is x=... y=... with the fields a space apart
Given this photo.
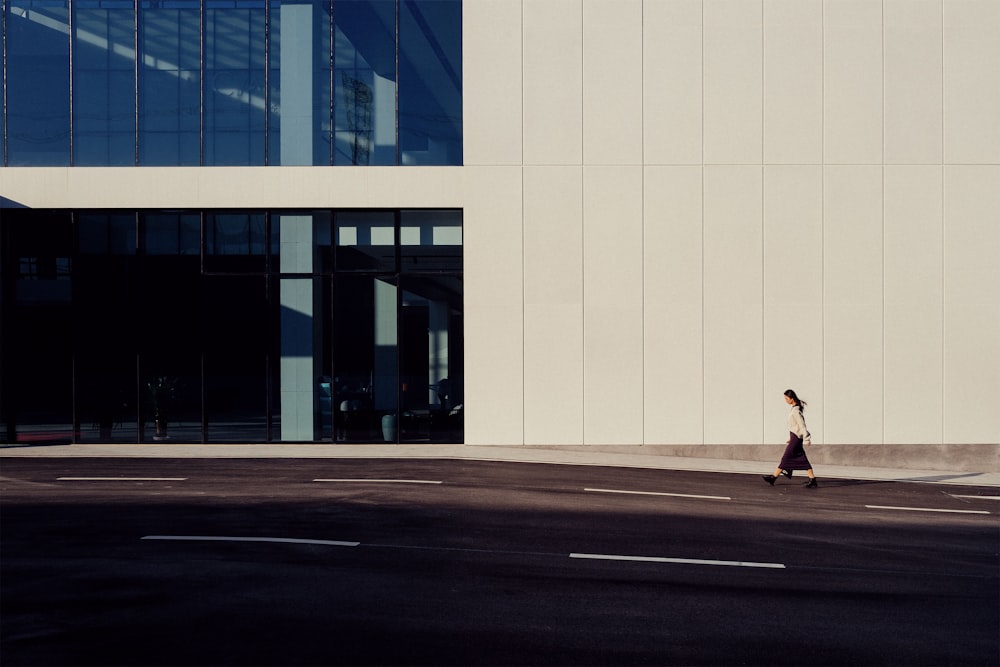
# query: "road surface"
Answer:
x=374 y=562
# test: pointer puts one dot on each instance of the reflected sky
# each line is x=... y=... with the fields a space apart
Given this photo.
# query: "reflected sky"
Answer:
x=207 y=83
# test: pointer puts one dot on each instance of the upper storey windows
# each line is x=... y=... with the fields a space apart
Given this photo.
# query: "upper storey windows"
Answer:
x=232 y=82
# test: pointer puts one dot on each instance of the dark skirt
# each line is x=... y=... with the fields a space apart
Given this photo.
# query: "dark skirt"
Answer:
x=794 y=457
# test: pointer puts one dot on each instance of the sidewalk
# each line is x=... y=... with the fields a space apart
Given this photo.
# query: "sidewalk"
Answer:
x=553 y=455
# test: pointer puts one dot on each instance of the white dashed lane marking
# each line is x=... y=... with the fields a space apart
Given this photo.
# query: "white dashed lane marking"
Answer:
x=382 y=481
x=680 y=561
x=659 y=493
x=121 y=479
x=585 y=556
x=924 y=509
x=222 y=538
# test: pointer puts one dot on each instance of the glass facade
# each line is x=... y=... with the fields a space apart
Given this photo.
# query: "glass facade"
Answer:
x=231 y=326
x=232 y=82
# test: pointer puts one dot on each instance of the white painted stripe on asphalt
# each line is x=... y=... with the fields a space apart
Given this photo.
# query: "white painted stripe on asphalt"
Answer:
x=221 y=538
x=121 y=479
x=659 y=493
x=924 y=509
x=382 y=481
x=955 y=495
x=336 y=543
x=682 y=561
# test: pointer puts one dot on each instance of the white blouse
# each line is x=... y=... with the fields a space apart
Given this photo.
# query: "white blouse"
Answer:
x=797 y=424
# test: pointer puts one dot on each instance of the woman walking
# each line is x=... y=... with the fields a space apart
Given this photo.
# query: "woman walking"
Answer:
x=795 y=457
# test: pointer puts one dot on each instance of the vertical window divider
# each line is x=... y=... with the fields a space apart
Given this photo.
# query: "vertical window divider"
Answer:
x=333 y=88
x=267 y=87
x=202 y=237
x=136 y=6
x=269 y=335
x=201 y=277
x=204 y=402
x=74 y=256
x=396 y=114
x=133 y=308
x=201 y=82
x=397 y=234
x=70 y=6
x=140 y=425
x=3 y=58
x=140 y=266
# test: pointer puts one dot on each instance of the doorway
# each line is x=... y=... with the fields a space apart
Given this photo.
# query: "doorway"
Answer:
x=395 y=323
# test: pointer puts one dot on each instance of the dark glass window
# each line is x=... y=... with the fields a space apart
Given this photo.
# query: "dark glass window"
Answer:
x=235 y=94
x=169 y=83
x=365 y=82
x=431 y=368
x=105 y=299
x=110 y=342
x=170 y=345
x=365 y=390
x=365 y=241
x=36 y=371
x=37 y=83
x=233 y=82
x=103 y=84
x=299 y=131
x=171 y=234
x=107 y=234
x=430 y=82
x=234 y=313
x=430 y=240
x=235 y=242
x=235 y=234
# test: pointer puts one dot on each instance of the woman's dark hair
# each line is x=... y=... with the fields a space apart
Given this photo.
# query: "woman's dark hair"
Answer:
x=790 y=393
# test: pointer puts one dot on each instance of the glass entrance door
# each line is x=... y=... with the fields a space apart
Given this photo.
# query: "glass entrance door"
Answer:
x=396 y=328
x=431 y=359
x=364 y=384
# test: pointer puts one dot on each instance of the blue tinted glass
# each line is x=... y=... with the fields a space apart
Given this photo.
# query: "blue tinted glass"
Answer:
x=103 y=86
x=171 y=234
x=392 y=96
x=106 y=234
x=299 y=130
x=235 y=101
x=430 y=82
x=365 y=82
x=430 y=240
x=235 y=242
x=234 y=234
x=169 y=83
x=365 y=241
x=37 y=83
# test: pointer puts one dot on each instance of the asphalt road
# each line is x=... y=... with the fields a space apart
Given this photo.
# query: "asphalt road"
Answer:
x=374 y=562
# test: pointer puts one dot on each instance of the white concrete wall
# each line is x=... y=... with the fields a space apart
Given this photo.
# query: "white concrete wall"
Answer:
x=721 y=199
x=676 y=209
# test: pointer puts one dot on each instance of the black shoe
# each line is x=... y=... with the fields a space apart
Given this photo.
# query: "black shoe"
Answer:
x=769 y=479
x=787 y=473
x=811 y=484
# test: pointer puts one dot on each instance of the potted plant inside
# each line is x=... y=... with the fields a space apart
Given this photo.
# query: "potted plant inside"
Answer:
x=162 y=392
